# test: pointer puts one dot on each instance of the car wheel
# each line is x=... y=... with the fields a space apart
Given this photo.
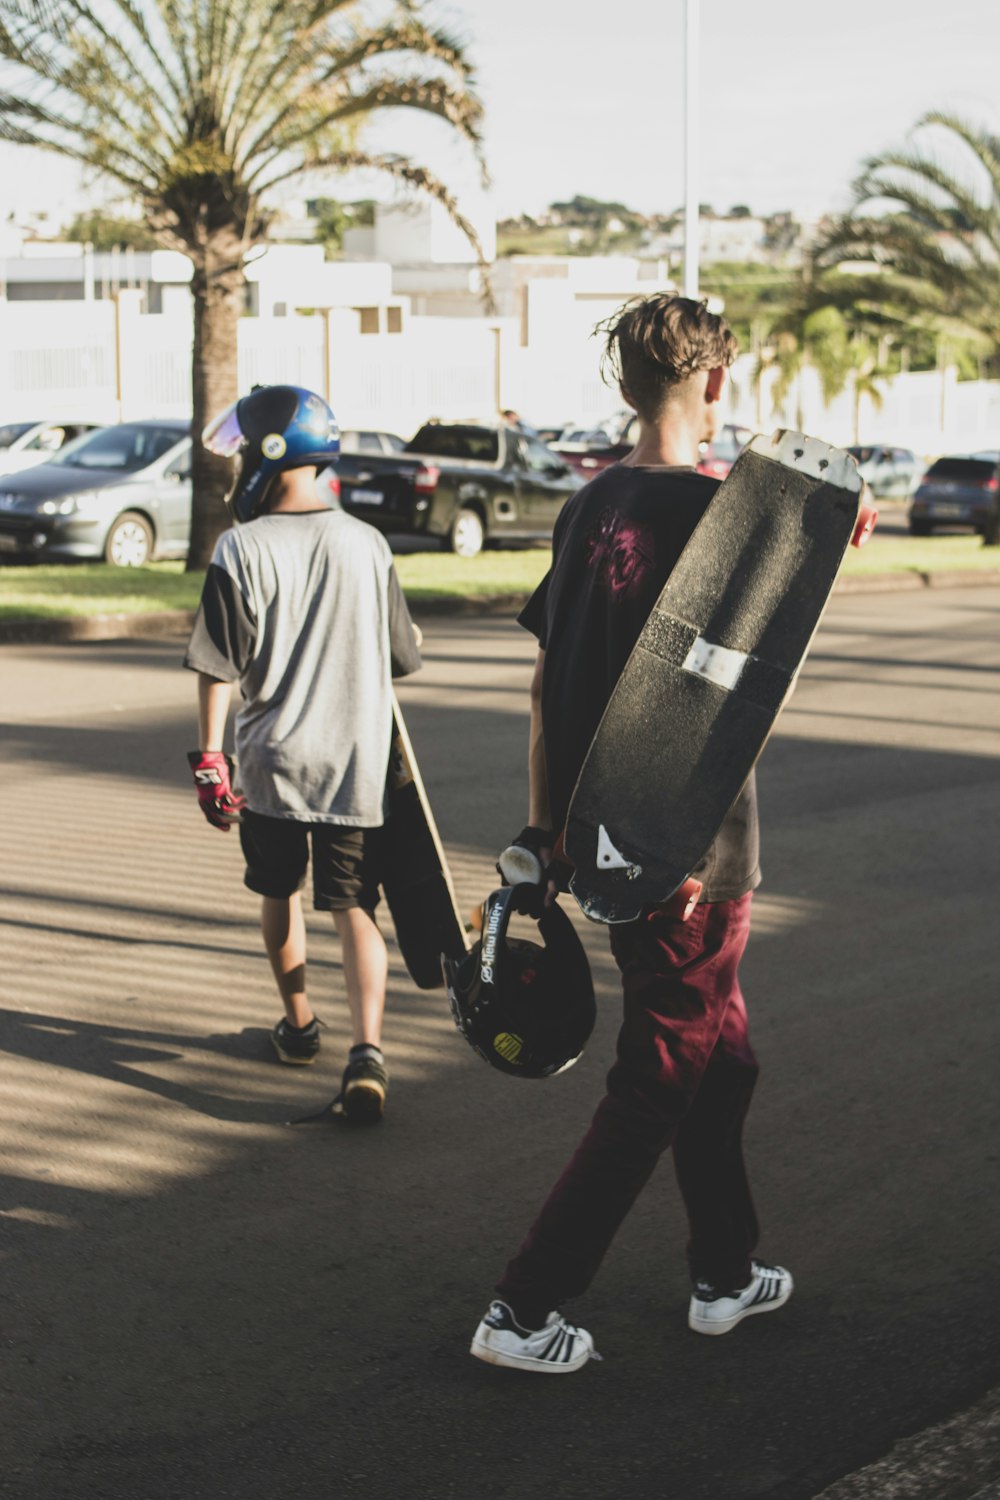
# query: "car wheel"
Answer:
x=467 y=535
x=920 y=528
x=130 y=541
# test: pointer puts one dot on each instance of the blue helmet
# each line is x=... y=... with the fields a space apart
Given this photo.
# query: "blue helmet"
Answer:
x=276 y=427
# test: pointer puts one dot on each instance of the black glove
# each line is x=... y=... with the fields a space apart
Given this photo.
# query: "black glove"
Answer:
x=212 y=772
x=520 y=863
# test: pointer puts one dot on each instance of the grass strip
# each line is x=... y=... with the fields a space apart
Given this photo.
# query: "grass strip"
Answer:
x=55 y=592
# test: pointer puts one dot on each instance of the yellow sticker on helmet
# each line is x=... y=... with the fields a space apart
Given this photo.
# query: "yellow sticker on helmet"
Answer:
x=507 y=1046
x=274 y=446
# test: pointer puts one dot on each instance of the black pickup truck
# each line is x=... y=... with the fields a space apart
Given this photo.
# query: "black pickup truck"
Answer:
x=469 y=484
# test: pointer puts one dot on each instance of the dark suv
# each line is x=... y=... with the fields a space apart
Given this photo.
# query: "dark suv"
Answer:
x=960 y=490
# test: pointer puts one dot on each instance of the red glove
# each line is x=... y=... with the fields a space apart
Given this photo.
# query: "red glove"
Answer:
x=212 y=771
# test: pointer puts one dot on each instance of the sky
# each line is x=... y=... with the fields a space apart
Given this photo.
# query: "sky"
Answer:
x=589 y=98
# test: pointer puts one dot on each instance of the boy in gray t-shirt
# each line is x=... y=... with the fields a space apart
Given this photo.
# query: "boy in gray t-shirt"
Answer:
x=301 y=605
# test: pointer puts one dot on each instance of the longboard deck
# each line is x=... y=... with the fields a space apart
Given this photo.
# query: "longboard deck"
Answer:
x=709 y=674
x=416 y=878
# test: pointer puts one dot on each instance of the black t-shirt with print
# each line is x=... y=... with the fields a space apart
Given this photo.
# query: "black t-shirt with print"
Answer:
x=614 y=546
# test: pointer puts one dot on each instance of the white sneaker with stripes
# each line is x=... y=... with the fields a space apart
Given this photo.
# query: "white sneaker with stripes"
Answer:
x=715 y=1312
x=556 y=1349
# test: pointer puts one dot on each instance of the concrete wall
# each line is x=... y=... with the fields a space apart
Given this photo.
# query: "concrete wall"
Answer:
x=63 y=360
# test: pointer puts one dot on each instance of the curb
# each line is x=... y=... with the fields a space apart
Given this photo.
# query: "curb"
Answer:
x=157 y=625
x=164 y=624
x=957 y=1457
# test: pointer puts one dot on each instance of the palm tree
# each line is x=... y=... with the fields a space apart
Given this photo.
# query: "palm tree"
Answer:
x=199 y=109
x=927 y=222
x=867 y=382
x=802 y=336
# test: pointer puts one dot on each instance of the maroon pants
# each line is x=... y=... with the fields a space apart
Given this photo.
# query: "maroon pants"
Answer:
x=684 y=1077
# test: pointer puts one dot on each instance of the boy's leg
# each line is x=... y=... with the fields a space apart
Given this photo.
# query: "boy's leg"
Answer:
x=284 y=930
x=708 y=1160
x=346 y=877
x=277 y=855
x=678 y=979
x=729 y=1283
x=366 y=969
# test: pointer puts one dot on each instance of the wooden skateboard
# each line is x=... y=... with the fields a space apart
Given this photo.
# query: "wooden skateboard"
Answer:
x=415 y=877
x=708 y=676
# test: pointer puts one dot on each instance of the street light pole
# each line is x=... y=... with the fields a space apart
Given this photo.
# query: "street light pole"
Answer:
x=691 y=149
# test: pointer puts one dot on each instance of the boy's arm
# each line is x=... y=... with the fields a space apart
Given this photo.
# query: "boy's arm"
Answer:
x=405 y=638
x=526 y=860
x=539 y=814
x=211 y=768
x=213 y=710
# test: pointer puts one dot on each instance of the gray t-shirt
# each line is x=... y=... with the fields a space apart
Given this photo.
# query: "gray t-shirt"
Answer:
x=304 y=608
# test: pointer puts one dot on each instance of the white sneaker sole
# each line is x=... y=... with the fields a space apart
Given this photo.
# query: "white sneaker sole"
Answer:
x=500 y=1357
x=726 y=1325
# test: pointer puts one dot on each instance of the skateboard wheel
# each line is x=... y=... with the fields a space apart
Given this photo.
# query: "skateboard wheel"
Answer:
x=867 y=516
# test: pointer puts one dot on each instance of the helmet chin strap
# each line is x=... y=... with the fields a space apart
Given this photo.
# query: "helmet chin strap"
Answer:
x=258 y=505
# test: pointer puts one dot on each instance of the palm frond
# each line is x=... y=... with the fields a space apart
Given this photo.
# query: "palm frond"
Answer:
x=430 y=95
x=321 y=63
x=931 y=227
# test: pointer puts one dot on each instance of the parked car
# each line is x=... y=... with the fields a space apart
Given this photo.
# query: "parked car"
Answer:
x=588 y=450
x=591 y=450
x=121 y=494
x=888 y=471
x=24 y=444
x=354 y=441
x=959 y=490
x=471 y=484
x=718 y=456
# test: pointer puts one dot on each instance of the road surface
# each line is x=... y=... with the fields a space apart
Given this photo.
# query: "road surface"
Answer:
x=202 y=1303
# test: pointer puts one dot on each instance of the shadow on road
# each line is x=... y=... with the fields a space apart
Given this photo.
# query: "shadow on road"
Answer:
x=204 y=1303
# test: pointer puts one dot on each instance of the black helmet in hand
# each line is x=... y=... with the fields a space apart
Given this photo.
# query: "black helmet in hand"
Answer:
x=527 y=1008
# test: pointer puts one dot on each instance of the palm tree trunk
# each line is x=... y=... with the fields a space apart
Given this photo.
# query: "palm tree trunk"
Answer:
x=219 y=290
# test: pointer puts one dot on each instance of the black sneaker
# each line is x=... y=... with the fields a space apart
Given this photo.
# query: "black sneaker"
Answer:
x=362 y=1091
x=296 y=1045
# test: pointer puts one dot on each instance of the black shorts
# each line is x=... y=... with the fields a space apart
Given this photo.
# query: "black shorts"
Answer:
x=346 y=862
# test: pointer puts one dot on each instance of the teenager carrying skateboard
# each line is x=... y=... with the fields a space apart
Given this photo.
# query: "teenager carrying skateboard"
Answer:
x=301 y=605
x=685 y=1071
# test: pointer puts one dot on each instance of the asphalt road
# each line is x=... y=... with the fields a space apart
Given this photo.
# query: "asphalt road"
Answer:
x=201 y=1303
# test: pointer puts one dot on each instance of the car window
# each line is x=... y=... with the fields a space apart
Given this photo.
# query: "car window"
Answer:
x=477 y=444
x=539 y=458
x=128 y=447
x=974 y=469
x=49 y=440
x=863 y=455
x=369 y=442
x=11 y=431
x=396 y=444
x=181 y=465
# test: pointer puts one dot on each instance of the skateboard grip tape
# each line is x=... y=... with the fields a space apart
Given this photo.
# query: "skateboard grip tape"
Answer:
x=671 y=640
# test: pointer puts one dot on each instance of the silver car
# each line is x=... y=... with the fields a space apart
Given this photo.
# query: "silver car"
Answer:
x=25 y=444
x=118 y=494
x=889 y=471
